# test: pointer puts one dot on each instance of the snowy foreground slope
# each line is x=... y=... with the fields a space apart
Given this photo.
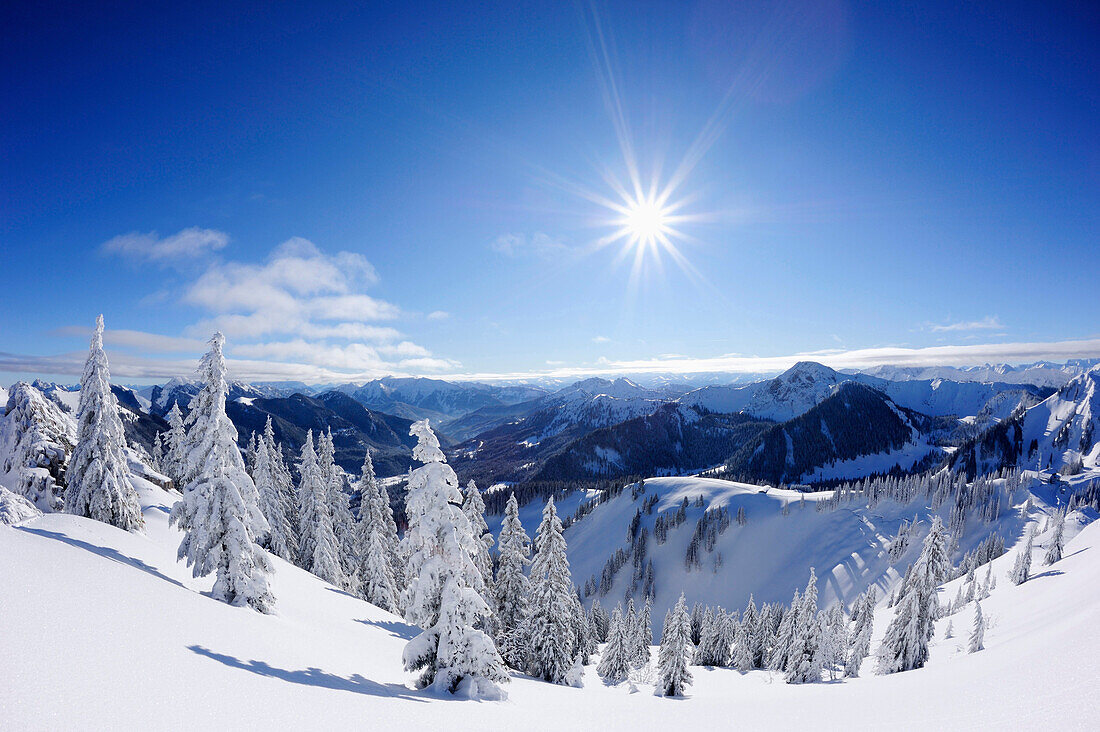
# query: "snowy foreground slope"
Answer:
x=104 y=629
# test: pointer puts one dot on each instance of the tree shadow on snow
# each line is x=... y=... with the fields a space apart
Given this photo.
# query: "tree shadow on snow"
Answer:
x=395 y=628
x=312 y=677
x=103 y=551
x=1048 y=573
x=345 y=594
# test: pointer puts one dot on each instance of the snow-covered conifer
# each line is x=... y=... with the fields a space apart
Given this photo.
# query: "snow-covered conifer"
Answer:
x=376 y=582
x=804 y=659
x=614 y=663
x=585 y=642
x=977 y=635
x=712 y=649
x=742 y=648
x=279 y=539
x=512 y=588
x=860 y=646
x=174 y=446
x=785 y=635
x=319 y=549
x=601 y=621
x=697 y=612
x=284 y=483
x=389 y=526
x=219 y=512
x=643 y=637
x=863 y=618
x=676 y=649
x=98 y=476
x=834 y=640
x=905 y=645
x=443 y=594
x=1021 y=569
x=474 y=507
x=549 y=627
x=157 y=455
x=342 y=521
x=1057 y=542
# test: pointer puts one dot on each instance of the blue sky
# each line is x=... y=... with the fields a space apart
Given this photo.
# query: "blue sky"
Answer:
x=355 y=191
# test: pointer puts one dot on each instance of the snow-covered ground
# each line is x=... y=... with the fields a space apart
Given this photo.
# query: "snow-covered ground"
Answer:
x=105 y=629
x=768 y=557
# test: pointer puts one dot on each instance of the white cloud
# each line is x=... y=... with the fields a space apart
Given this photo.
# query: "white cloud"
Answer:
x=954 y=355
x=537 y=244
x=990 y=322
x=300 y=313
x=302 y=361
x=601 y=339
x=189 y=243
x=298 y=290
x=136 y=339
x=438 y=315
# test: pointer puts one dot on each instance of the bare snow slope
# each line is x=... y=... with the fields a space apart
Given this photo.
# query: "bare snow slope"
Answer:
x=103 y=629
x=771 y=554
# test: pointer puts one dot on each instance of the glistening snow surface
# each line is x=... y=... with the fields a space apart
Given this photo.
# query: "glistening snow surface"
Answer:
x=136 y=641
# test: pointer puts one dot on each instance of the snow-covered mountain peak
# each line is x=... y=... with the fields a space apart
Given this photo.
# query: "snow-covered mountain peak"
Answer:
x=808 y=372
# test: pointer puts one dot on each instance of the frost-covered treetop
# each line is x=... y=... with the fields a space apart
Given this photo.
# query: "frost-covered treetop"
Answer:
x=427 y=448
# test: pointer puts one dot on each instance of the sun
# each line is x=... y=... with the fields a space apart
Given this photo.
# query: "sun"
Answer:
x=646 y=222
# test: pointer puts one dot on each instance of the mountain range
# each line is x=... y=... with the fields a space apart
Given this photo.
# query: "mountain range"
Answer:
x=809 y=424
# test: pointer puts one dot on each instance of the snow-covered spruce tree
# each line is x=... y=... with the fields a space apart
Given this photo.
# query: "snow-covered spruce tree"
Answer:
x=98 y=475
x=284 y=483
x=1021 y=568
x=601 y=621
x=977 y=635
x=713 y=649
x=804 y=658
x=549 y=627
x=707 y=632
x=319 y=549
x=474 y=508
x=249 y=454
x=697 y=612
x=512 y=588
x=443 y=594
x=389 y=526
x=834 y=640
x=742 y=648
x=586 y=644
x=755 y=647
x=375 y=572
x=643 y=636
x=905 y=645
x=676 y=649
x=614 y=663
x=279 y=539
x=864 y=618
x=1057 y=542
x=174 y=446
x=785 y=635
x=987 y=582
x=342 y=521
x=219 y=512
x=157 y=455
x=397 y=556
